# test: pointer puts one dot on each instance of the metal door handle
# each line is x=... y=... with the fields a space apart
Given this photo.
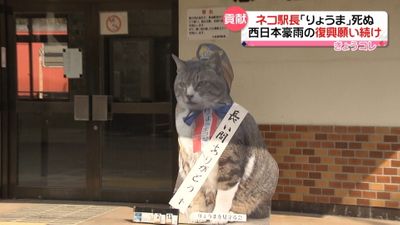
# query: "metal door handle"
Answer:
x=100 y=108
x=81 y=107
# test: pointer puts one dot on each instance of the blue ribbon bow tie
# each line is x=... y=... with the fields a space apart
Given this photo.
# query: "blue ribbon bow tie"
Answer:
x=220 y=111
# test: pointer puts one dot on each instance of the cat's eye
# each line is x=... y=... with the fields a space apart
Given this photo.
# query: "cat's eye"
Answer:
x=181 y=85
x=202 y=83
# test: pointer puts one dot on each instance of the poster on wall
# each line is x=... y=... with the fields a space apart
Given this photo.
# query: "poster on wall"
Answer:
x=206 y=24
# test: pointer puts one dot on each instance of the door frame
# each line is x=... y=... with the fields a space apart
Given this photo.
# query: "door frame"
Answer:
x=91 y=8
x=6 y=104
x=3 y=103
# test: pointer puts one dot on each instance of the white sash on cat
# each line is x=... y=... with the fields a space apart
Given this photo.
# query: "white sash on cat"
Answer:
x=211 y=152
x=206 y=130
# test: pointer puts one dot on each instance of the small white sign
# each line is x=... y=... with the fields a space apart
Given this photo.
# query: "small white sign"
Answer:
x=112 y=23
x=3 y=57
x=72 y=58
x=231 y=217
x=206 y=24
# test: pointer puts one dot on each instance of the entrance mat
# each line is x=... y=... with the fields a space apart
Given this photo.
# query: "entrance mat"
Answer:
x=54 y=214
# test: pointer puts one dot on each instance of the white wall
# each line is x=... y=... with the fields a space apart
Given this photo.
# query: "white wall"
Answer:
x=311 y=85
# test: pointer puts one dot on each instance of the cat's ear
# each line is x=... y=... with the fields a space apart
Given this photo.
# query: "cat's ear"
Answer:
x=180 y=65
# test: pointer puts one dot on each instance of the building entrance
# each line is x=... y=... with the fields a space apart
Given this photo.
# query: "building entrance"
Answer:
x=106 y=133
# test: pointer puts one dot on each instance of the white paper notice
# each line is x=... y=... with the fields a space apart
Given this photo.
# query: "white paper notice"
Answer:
x=206 y=24
x=72 y=58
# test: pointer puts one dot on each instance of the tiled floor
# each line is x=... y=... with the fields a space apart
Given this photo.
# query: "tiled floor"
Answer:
x=23 y=212
x=54 y=214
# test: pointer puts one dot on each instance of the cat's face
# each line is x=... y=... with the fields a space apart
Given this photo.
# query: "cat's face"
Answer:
x=199 y=84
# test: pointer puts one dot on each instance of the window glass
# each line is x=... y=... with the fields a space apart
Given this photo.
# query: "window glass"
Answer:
x=22 y=26
x=23 y=69
x=40 y=69
x=49 y=26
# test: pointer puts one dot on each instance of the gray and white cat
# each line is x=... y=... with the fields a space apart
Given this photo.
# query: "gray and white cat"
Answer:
x=246 y=175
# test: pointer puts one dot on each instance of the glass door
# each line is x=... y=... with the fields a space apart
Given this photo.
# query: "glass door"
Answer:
x=107 y=134
x=51 y=144
x=139 y=154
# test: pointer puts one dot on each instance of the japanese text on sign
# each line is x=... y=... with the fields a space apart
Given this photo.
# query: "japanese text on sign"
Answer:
x=208 y=158
x=231 y=217
x=314 y=28
x=206 y=24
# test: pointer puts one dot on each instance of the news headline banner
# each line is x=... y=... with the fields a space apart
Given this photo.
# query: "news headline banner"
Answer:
x=312 y=28
x=211 y=152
